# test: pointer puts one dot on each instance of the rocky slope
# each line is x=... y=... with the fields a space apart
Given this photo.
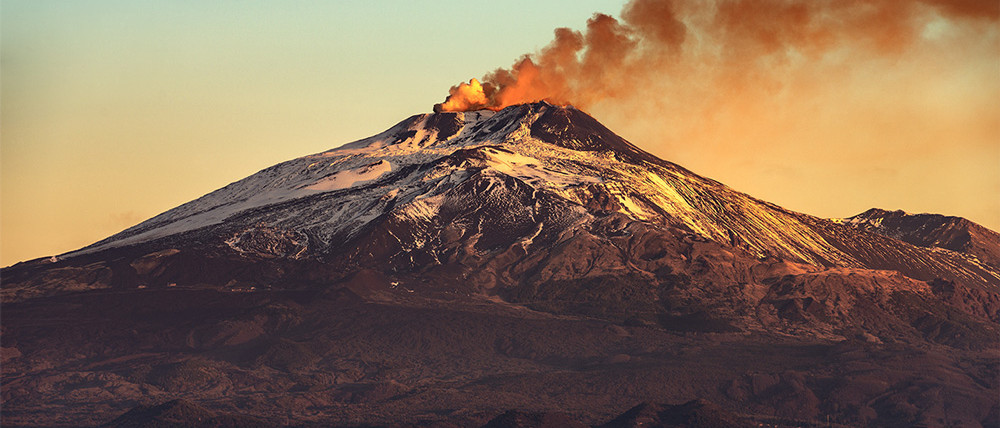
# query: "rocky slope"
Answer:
x=933 y=231
x=459 y=265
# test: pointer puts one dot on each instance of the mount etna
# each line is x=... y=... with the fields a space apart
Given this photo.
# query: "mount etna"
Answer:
x=524 y=267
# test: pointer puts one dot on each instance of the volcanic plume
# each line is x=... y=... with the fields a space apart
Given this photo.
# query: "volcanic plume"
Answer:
x=662 y=39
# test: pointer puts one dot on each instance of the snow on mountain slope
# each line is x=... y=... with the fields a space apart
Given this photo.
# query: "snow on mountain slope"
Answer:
x=515 y=160
x=340 y=170
x=403 y=166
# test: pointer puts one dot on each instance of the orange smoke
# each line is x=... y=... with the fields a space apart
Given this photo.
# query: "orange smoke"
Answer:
x=465 y=97
x=739 y=41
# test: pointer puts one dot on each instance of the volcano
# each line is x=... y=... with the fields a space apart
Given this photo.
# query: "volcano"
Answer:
x=465 y=265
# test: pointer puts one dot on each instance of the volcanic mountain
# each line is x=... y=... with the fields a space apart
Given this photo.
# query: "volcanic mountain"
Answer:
x=460 y=265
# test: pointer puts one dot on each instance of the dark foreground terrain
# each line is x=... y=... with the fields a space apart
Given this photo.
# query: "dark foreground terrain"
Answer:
x=303 y=358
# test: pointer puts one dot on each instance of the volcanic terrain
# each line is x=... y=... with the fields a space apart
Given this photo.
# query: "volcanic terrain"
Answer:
x=525 y=267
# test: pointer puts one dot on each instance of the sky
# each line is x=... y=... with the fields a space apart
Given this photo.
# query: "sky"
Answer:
x=114 y=111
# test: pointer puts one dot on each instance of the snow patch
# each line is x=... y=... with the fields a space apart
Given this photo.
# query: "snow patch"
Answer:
x=421 y=209
x=352 y=177
x=532 y=169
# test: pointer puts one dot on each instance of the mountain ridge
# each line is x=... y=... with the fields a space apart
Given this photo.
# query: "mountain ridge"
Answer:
x=933 y=230
x=446 y=194
x=431 y=128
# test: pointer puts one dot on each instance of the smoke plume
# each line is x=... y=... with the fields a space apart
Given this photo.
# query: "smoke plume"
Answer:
x=789 y=94
x=742 y=40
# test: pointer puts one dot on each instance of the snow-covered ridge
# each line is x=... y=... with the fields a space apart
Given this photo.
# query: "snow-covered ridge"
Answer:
x=406 y=169
x=409 y=142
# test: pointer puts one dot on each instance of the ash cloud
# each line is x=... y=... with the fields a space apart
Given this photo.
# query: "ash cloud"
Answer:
x=739 y=41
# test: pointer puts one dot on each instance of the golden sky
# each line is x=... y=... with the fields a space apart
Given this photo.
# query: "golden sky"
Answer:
x=114 y=111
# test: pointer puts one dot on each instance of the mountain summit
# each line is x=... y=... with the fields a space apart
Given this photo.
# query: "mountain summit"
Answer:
x=542 y=168
x=533 y=212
